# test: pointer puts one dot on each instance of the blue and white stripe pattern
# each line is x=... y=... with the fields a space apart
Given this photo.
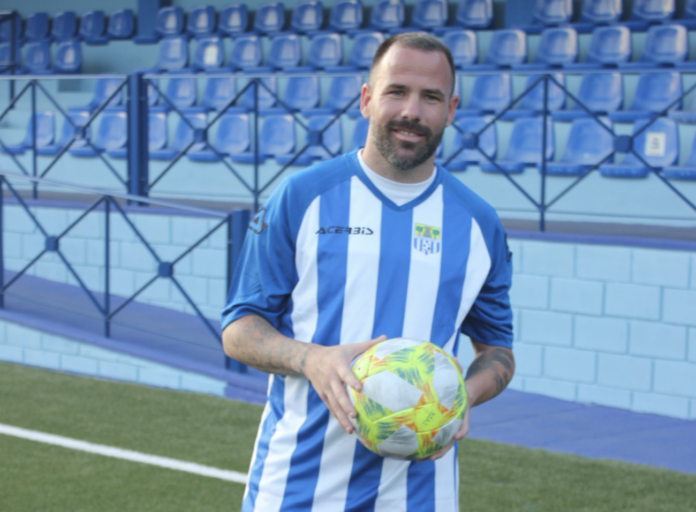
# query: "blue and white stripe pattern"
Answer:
x=338 y=262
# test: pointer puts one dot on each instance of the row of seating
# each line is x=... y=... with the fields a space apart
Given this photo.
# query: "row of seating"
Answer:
x=590 y=143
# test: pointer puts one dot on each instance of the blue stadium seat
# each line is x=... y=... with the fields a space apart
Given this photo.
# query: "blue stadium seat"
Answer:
x=93 y=27
x=64 y=26
x=685 y=171
x=490 y=94
x=387 y=15
x=157 y=135
x=485 y=143
x=276 y=138
x=246 y=53
x=232 y=137
x=429 y=15
x=342 y=91
x=462 y=44
x=648 y=12
x=233 y=20
x=653 y=93
x=201 y=21
x=307 y=17
x=5 y=58
x=219 y=92
x=170 y=22
x=325 y=51
x=181 y=91
x=474 y=14
x=688 y=17
x=361 y=52
x=6 y=26
x=188 y=130
x=346 y=16
x=284 y=53
x=552 y=12
x=266 y=87
x=525 y=146
x=657 y=145
x=209 y=54
x=324 y=141
x=37 y=57
x=301 y=92
x=558 y=47
x=45 y=133
x=121 y=24
x=69 y=130
x=173 y=54
x=269 y=18
x=609 y=47
x=37 y=27
x=359 y=135
x=600 y=12
x=665 y=46
x=589 y=144
x=68 y=57
x=507 y=47
x=532 y=103
x=601 y=93
x=111 y=134
x=103 y=89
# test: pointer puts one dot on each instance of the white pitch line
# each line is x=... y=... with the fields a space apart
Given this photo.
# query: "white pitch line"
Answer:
x=120 y=453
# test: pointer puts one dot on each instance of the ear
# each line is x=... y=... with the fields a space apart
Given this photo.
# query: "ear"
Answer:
x=365 y=98
x=451 y=108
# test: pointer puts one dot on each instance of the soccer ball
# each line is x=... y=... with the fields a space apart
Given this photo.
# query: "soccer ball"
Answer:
x=412 y=399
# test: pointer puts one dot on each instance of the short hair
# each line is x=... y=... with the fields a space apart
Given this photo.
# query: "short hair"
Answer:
x=417 y=41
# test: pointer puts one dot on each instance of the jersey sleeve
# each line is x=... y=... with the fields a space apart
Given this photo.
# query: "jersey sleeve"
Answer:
x=265 y=274
x=490 y=319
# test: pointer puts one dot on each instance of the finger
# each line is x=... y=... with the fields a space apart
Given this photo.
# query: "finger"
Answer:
x=338 y=413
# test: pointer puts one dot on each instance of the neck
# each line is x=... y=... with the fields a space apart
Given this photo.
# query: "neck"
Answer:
x=374 y=159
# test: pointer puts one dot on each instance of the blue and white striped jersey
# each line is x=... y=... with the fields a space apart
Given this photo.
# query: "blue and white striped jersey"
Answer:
x=331 y=260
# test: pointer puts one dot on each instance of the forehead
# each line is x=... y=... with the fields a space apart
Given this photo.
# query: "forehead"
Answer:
x=416 y=68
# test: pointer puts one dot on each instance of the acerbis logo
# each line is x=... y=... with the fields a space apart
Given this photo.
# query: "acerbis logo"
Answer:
x=344 y=230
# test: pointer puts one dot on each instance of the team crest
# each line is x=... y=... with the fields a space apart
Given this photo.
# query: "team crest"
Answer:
x=426 y=239
x=257 y=224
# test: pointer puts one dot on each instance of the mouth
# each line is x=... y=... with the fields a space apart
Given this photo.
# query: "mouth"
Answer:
x=409 y=133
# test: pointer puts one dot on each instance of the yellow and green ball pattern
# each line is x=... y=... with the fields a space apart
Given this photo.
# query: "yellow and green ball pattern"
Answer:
x=412 y=399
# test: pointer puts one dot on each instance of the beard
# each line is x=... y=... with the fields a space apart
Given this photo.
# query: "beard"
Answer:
x=419 y=152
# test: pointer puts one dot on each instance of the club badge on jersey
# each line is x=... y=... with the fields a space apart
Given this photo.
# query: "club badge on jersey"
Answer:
x=426 y=239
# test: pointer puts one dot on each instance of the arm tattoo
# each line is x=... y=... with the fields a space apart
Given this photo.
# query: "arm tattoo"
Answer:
x=497 y=360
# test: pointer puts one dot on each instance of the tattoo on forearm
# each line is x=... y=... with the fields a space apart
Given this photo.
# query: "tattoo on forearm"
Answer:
x=497 y=360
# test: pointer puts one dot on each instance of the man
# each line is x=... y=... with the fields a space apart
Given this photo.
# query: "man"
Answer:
x=375 y=244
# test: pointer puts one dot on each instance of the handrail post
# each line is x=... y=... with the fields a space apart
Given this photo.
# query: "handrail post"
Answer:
x=35 y=186
x=237 y=223
x=138 y=157
x=107 y=267
x=542 y=206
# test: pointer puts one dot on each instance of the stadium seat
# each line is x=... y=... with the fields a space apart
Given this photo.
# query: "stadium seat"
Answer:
x=45 y=133
x=589 y=144
x=342 y=91
x=188 y=130
x=685 y=171
x=68 y=57
x=307 y=17
x=657 y=145
x=233 y=20
x=269 y=18
x=218 y=93
x=664 y=46
x=37 y=27
x=359 y=135
x=6 y=58
x=532 y=103
x=121 y=24
x=485 y=143
x=558 y=47
x=201 y=21
x=246 y=53
x=429 y=15
x=648 y=12
x=209 y=54
x=361 y=52
x=301 y=92
x=474 y=14
x=346 y=16
x=552 y=12
x=601 y=93
x=64 y=26
x=507 y=47
x=688 y=17
x=37 y=57
x=170 y=22
x=490 y=94
x=103 y=89
x=598 y=12
x=462 y=44
x=653 y=93
x=284 y=53
x=111 y=134
x=276 y=138
x=525 y=147
x=609 y=47
x=69 y=130
x=232 y=137
x=323 y=140
x=325 y=51
x=6 y=28
x=157 y=135
x=173 y=54
x=93 y=27
x=266 y=88
x=387 y=15
x=180 y=91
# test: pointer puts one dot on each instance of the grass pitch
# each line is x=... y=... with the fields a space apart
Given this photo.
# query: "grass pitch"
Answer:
x=220 y=433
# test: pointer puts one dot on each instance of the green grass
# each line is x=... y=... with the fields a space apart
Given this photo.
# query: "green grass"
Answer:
x=220 y=433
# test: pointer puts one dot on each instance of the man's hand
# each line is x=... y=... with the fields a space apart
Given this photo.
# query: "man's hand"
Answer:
x=328 y=370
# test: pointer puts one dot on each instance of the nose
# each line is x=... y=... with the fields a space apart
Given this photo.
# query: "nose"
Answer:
x=411 y=108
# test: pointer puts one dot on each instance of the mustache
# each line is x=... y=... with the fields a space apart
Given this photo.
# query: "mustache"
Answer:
x=410 y=126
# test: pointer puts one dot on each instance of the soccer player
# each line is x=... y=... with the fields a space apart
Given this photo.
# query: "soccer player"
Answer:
x=376 y=243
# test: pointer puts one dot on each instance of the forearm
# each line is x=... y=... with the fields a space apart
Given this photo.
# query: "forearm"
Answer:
x=489 y=373
x=253 y=341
